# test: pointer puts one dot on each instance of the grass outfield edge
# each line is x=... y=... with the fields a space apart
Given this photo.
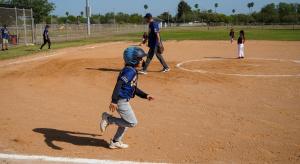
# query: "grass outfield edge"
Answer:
x=167 y=35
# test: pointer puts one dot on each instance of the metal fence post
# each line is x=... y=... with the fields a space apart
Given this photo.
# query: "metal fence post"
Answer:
x=67 y=32
x=25 y=32
x=16 y=13
x=32 y=27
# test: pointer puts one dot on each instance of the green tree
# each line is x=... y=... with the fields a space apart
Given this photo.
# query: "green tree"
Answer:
x=41 y=8
x=269 y=14
x=184 y=11
x=287 y=12
x=3 y=1
x=166 y=16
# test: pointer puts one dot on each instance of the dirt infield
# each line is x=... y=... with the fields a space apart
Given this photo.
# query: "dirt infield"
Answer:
x=52 y=105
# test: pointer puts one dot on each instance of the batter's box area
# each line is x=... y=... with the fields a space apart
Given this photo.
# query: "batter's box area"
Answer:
x=251 y=67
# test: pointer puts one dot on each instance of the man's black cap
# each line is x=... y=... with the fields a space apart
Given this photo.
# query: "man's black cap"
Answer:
x=148 y=15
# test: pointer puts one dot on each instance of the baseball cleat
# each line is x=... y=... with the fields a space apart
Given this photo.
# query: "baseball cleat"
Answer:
x=166 y=70
x=143 y=72
x=117 y=145
x=104 y=122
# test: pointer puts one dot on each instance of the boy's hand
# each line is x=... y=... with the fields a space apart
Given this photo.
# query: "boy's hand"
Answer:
x=113 y=107
x=150 y=98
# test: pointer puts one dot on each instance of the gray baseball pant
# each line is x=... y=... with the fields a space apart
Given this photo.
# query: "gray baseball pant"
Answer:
x=127 y=120
x=151 y=53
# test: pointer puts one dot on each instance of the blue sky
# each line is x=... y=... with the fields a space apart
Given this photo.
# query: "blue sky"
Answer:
x=156 y=7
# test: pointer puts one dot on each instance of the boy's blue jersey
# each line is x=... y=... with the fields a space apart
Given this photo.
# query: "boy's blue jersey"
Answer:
x=129 y=76
x=152 y=38
x=4 y=33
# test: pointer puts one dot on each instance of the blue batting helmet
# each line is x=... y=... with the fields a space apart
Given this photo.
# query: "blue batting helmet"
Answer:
x=132 y=55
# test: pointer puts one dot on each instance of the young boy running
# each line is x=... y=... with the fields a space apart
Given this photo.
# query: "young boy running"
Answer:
x=125 y=89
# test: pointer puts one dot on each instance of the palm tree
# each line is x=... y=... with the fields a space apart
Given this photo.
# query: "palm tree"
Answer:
x=196 y=6
x=197 y=9
x=67 y=14
x=216 y=6
x=233 y=11
x=250 y=5
x=146 y=7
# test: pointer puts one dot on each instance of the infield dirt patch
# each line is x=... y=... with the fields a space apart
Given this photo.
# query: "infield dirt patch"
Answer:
x=52 y=106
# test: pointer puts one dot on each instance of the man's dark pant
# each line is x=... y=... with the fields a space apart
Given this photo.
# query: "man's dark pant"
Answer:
x=45 y=42
x=159 y=56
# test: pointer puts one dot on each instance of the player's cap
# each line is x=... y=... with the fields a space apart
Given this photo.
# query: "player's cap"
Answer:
x=148 y=15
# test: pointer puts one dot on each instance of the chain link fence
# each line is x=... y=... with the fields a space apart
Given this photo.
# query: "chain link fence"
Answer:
x=23 y=30
x=20 y=24
x=68 y=32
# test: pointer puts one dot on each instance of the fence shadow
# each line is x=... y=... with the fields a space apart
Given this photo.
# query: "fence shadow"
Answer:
x=75 y=138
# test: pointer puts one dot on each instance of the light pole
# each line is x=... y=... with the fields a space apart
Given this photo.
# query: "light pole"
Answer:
x=88 y=15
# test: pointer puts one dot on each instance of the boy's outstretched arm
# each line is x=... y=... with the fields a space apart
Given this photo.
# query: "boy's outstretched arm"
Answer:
x=143 y=95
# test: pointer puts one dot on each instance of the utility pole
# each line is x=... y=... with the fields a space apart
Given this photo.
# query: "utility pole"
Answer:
x=88 y=15
x=168 y=18
x=99 y=18
x=114 y=16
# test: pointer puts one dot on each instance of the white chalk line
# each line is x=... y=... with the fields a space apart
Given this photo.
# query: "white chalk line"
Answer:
x=49 y=56
x=180 y=66
x=64 y=159
x=31 y=60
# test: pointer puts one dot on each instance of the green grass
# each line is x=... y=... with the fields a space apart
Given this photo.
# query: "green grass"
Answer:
x=192 y=33
x=29 y=50
x=223 y=34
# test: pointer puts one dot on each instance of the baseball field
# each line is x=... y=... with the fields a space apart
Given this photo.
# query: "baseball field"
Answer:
x=210 y=108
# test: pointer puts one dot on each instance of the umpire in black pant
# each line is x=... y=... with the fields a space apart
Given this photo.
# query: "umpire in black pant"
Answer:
x=46 y=37
x=155 y=45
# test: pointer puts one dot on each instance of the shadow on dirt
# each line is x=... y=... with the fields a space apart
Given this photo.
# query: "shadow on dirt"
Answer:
x=110 y=70
x=217 y=57
x=104 y=69
x=75 y=138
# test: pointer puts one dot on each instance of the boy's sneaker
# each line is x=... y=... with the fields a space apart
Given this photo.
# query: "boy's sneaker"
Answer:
x=143 y=72
x=104 y=122
x=166 y=70
x=117 y=145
